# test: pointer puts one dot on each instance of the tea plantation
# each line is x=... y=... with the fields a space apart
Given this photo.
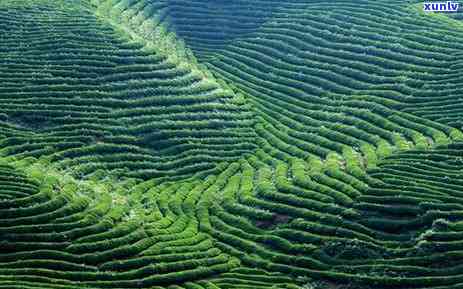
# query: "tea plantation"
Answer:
x=194 y=144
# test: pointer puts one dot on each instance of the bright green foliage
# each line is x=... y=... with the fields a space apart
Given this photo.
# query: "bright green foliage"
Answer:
x=102 y=95
x=193 y=144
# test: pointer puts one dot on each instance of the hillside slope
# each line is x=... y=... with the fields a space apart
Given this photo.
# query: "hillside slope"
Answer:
x=230 y=144
x=90 y=96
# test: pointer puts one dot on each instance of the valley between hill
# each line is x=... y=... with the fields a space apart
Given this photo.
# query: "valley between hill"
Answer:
x=230 y=144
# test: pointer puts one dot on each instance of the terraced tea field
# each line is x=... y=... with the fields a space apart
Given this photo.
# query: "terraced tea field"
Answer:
x=194 y=144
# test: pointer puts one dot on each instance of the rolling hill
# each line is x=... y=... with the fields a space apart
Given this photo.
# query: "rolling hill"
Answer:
x=230 y=144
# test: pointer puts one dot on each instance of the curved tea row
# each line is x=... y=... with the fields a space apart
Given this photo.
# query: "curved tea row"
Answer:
x=408 y=59
x=397 y=226
x=259 y=222
x=57 y=232
x=321 y=81
x=309 y=145
x=82 y=92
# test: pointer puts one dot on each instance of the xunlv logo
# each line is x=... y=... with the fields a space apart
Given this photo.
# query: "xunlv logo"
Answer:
x=448 y=6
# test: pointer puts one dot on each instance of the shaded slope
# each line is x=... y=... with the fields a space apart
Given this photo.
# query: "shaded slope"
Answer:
x=224 y=21
x=205 y=26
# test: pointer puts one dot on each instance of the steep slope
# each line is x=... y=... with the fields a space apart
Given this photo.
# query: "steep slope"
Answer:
x=326 y=76
x=258 y=144
x=344 y=75
x=80 y=90
x=225 y=21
